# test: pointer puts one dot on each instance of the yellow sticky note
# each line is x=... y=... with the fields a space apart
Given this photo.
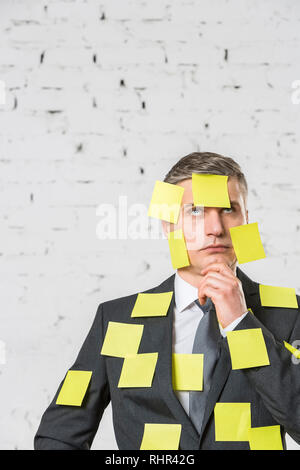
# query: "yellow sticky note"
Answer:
x=247 y=243
x=122 y=339
x=247 y=348
x=210 y=190
x=161 y=436
x=265 y=438
x=187 y=371
x=138 y=370
x=293 y=350
x=178 y=251
x=166 y=201
x=74 y=387
x=152 y=305
x=232 y=421
x=271 y=296
x=250 y=310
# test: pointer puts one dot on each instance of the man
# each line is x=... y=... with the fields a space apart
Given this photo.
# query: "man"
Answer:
x=211 y=287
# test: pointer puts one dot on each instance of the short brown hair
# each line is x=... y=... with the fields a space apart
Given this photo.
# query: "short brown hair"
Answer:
x=209 y=163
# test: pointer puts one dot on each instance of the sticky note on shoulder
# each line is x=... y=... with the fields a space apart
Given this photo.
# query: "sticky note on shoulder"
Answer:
x=152 y=305
x=210 y=190
x=122 y=339
x=178 y=250
x=138 y=370
x=247 y=348
x=166 y=201
x=187 y=371
x=159 y=436
x=232 y=421
x=74 y=387
x=271 y=296
x=265 y=438
x=247 y=243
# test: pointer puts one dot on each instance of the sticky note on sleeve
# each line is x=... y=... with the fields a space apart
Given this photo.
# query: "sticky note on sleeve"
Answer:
x=187 y=371
x=122 y=339
x=74 y=387
x=152 y=305
x=232 y=421
x=247 y=348
x=178 y=251
x=138 y=370
x=271 y=296
x=166 y=201
x=161 y=436
x=247 y=243
x=210 y=190
x=265 y=438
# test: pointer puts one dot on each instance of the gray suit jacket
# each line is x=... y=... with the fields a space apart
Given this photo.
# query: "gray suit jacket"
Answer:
x=273 y=391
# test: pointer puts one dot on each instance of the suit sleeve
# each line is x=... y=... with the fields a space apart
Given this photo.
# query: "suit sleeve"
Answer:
x=278 y=384
x=65 y=427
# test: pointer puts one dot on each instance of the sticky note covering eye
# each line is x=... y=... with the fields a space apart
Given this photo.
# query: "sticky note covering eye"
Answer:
x=265 y=438
x=178 y=251
x=74 y=387
x=166 y=201
x=210 y=190
x=161 y=436
x=187 y=371
x=271 y=296
x=152 y=305
x=122 y=339
x=247 y=348
x=247 y=243
x=232 y=421
x=138 y=370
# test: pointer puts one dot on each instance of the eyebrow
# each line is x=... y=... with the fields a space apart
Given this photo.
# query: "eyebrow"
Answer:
x=191 y=204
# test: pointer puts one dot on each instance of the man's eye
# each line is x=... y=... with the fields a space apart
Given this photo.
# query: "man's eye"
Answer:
x=228 y=209
x=197 y=210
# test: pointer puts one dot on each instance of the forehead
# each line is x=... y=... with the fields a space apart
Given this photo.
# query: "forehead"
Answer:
x=234 y=190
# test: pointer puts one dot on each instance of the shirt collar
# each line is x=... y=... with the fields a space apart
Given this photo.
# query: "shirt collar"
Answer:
x=185 y=293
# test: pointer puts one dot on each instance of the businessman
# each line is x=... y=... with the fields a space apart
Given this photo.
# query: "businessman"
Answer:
x=210 y=297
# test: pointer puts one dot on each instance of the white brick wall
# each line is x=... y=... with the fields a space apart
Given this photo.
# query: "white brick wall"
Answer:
x=101 y=99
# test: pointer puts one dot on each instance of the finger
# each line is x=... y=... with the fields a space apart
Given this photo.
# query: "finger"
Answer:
x=212 y=281
x=208 y=292
x=218 y=267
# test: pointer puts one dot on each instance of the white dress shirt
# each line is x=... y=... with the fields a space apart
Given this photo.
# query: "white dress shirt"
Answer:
x=187 y=316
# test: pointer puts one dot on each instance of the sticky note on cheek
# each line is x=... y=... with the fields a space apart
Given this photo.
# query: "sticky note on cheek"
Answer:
x=166 y=201
x=138 y=370
x=232 y=421
x=74 y=387
x=247 y=243
x=161 y=436
x=247 y=348
x=210 y=190
x=272 y=296
x=122 y=339
x=178 y=251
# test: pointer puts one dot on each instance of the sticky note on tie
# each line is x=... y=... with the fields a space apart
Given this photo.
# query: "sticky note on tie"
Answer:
x=74 y=387
x=232 y=421
x=122 y=339
x=210 y=190
x=293 y=350
x=187 y=371
x=247 y=348
x=161 y=436
x=265 y=438
x=152 y=305
x=166 y=201
x=271 y=296
x=138 y=370
x=178 y=251
x=247 y=243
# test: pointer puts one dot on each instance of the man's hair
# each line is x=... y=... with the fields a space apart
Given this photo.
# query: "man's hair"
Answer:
x=209 y=163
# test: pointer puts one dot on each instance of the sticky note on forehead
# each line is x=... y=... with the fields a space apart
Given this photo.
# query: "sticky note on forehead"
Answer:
x=138 y=370
x=271 y=296
x=74 y=387
x=152 y=305
x=178 y=251
x=210 y=190
x=166 y=201
x=187 y=371
x=247 y=242
x=247 y=348
x=232 y=421
x=122 y=339
x=159 y=436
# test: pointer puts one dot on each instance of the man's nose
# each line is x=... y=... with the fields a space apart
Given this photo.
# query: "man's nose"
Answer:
x=212 y=222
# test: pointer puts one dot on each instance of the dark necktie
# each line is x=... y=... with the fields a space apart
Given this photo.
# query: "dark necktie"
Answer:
x=205 y=342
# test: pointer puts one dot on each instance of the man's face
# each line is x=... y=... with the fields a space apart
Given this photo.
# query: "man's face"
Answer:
x=204 y=226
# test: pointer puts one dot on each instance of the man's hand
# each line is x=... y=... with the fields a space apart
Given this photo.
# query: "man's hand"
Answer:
x=225 y=290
